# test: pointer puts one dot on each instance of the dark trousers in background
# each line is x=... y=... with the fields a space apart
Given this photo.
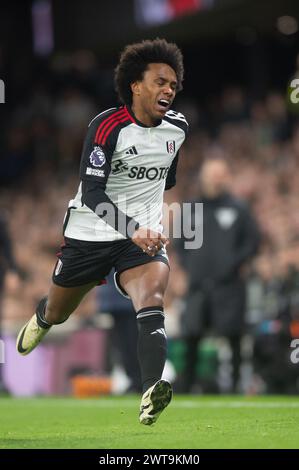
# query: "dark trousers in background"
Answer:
x=220 y=311
x=124 y=340
x=191 y=359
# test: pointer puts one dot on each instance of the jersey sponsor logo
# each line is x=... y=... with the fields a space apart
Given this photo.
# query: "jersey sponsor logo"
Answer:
x=94 y=172
x=153 y=173
x=170 y=145
x=132 y=151
x=119 y=167
x=97 y=157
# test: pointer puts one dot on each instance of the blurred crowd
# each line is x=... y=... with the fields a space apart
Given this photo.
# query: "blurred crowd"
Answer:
x=40 y=154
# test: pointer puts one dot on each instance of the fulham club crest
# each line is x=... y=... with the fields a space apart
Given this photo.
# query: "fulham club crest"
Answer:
x=170 y=145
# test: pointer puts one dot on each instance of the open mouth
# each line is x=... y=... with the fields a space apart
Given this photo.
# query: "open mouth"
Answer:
x=164 y=103
x=163 y=106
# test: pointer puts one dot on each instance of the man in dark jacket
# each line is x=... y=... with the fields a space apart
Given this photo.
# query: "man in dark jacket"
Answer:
x=216 y=297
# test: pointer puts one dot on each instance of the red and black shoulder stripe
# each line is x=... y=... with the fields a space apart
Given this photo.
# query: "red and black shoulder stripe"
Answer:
x=105 y=123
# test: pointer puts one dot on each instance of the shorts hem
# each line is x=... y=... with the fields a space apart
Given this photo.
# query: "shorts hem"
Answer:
x=78 y=284
x=140 y=263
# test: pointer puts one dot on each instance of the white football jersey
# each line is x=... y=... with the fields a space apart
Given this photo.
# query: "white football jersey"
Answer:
x=133 y=163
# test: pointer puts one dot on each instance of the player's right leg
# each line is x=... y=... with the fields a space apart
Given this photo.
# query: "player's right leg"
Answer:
x=51 y=310
x=146 y=285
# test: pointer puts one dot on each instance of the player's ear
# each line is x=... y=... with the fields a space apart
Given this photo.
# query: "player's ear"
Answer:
x=135 y=87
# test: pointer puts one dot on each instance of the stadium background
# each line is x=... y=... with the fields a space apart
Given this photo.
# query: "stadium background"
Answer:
x=57 y=60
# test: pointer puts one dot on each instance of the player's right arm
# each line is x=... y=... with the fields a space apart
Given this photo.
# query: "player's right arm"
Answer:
x=95 y=168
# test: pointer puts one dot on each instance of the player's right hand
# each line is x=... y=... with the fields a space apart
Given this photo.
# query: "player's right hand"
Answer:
x=149 y=241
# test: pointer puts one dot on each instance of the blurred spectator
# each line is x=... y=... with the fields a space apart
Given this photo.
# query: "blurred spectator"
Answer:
x=17 y=159
x=216 y=298
x=72 y=114
x=275 y=372
x=9 y=275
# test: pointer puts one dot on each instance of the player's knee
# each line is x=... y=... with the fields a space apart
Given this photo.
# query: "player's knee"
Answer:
x=149 y=299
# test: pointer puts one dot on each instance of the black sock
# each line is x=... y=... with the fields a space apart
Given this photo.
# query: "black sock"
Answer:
x=152 y=345
x=40 y=314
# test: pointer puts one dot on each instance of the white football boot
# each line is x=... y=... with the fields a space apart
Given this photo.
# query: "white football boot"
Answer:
x=30 y=336
x=153 y=402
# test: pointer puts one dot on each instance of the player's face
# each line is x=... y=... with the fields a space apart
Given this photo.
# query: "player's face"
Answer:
x=153 y=96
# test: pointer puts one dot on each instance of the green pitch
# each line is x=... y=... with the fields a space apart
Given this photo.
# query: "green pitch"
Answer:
x=194 y=422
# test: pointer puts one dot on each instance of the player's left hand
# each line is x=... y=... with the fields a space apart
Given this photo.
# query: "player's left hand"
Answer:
x=149 y=241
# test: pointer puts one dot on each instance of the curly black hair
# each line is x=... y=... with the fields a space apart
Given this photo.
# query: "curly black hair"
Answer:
x=135 y=59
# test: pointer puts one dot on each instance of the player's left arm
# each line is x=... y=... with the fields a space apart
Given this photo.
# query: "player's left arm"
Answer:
x=179 y=121
x=171 y=176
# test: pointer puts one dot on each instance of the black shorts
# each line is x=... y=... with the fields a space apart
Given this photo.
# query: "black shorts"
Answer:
x=82 y=262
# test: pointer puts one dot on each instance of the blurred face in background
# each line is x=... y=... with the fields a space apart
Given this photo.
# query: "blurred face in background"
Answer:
x=214 y=178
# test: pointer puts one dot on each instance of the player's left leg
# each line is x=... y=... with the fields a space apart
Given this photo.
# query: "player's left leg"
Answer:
x=146 y=285
x=53 y=309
